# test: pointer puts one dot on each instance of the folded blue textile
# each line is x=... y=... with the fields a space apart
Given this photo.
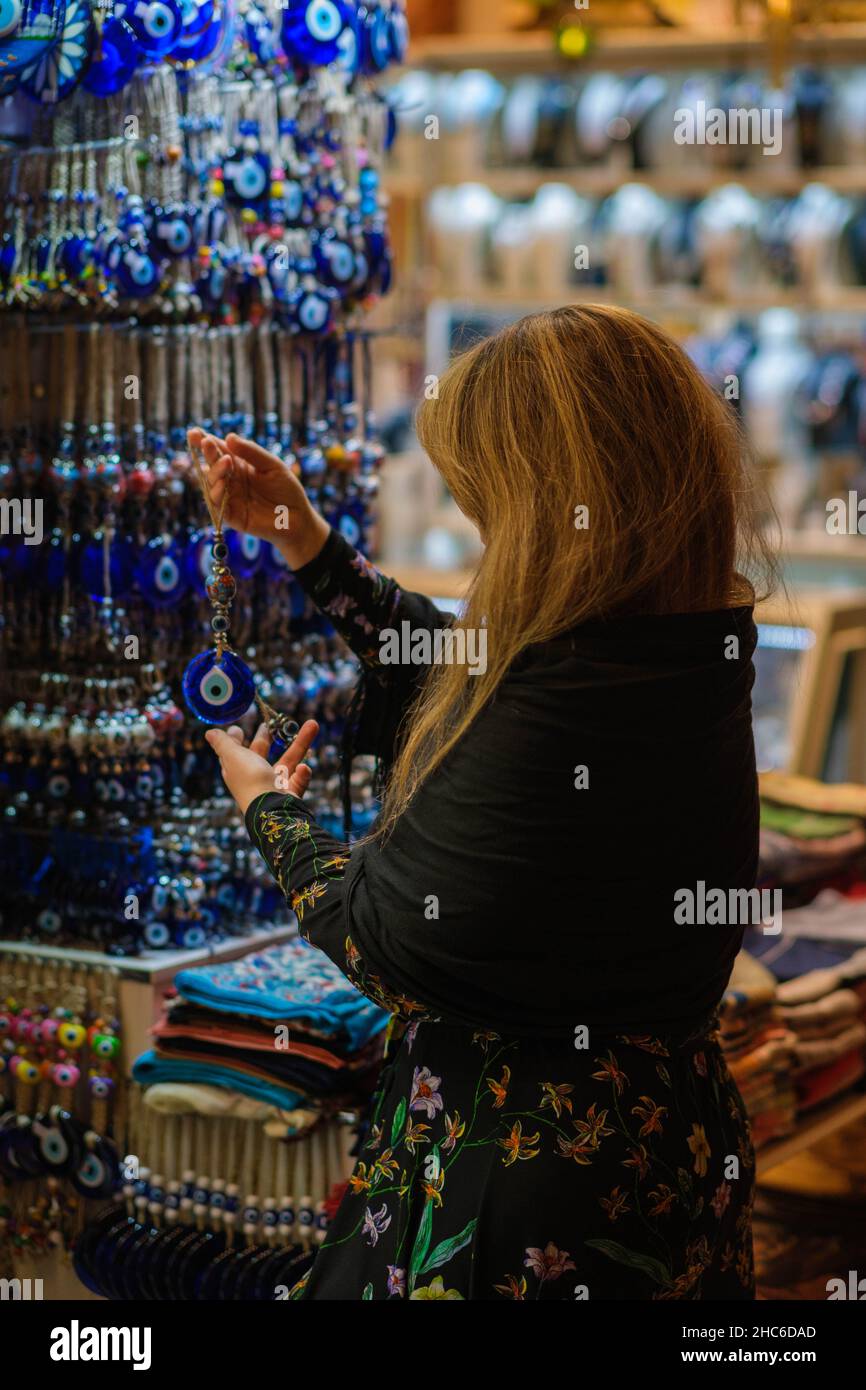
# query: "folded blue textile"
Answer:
x=148 y=1069
x=285 y=982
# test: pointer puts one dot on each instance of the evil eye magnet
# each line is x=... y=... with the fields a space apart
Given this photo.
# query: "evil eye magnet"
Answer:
x=218 y=689
x=157 y=24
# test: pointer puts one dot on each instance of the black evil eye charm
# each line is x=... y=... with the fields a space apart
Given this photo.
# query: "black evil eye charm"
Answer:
x=136 y=272
x=173 y=230
x=312 y=28
x=218 y=689
x=335 y=261
x=314 y=311
x=160 y=572
x=247 y=178
x=98 y=1172
x=157 y=24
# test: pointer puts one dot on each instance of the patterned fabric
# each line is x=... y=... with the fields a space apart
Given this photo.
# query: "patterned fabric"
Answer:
x=510 y=1158
x=510 y=1169
x=285 y=982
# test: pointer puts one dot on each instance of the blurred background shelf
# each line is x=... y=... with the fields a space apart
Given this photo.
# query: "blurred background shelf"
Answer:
x=636 y=48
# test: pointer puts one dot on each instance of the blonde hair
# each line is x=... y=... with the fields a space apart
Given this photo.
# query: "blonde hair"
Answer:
x=586 y=406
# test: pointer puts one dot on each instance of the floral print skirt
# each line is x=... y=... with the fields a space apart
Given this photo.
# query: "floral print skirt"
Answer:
x=502 y=1168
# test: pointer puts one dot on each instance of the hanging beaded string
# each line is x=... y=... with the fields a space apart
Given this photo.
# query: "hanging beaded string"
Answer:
x=221 y=586
x=221 y=590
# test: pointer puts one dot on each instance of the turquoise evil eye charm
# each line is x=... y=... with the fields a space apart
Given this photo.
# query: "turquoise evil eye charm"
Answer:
x=218 y=688
x=160 y=572
x=312 y=28
x=157 y=24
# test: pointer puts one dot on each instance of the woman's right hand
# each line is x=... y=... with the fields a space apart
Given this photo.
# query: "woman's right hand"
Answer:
x=265 y=498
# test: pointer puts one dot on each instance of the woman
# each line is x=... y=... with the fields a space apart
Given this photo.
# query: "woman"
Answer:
x=557 y=1121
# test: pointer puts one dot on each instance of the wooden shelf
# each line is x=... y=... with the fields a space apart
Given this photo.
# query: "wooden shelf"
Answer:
x=836 y=1115
x=592 y=182
x=636 y=48
x=155 y=965
x=667 y=299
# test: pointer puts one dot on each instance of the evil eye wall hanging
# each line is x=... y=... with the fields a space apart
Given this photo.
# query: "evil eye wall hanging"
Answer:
x=59 y=72
x=157 y=24
x=312 y=29
x=28 y=30
x=173 y=229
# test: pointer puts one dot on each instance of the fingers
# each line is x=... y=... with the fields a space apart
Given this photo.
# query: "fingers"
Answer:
x=300 y=780
x=300 y=748
x=227 y=744
x=262 y=742
x=247 y=449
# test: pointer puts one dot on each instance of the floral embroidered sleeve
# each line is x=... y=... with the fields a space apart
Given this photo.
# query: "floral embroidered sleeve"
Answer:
x=363 y=606
x=311 y=867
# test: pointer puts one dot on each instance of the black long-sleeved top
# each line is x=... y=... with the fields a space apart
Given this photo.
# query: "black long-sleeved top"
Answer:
x=508 y=897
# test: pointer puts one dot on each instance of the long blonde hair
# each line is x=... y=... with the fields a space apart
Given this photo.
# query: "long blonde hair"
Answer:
x=586 y=406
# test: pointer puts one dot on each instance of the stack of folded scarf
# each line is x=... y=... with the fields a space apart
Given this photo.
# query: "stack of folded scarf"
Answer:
x=813 y=834
x=282 y=1026
x=826 y=1011
x=758 y=1049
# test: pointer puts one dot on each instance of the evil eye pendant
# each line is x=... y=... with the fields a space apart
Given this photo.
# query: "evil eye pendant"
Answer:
x=157 y=24
x=173 y=231
x=160 y=572
x=313 y=310
x=98 y=1173
x=312 y=28
x=218 y=689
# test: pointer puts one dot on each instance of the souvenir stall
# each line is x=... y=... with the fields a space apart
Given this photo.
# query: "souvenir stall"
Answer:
x=193 y=230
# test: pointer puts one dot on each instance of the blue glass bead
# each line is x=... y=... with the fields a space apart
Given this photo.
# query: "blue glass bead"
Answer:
x=156 y=24
x=218 y=689
x=311 y=30
x=160 y=572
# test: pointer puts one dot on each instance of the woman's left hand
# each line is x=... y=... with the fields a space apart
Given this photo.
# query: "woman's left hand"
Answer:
x=247 y=772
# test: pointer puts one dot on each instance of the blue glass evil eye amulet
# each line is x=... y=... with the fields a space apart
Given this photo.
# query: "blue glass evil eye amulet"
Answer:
x=218 y=687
